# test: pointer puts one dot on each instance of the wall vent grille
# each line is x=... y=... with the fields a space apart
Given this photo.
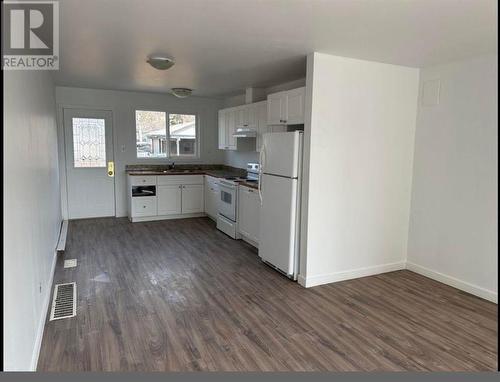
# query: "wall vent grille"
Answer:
x=71 y=263
x=63 y=302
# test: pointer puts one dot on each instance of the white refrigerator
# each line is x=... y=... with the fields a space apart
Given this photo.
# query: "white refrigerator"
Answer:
x=279 y=191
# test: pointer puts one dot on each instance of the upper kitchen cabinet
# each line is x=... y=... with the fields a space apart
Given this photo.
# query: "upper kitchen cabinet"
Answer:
x=227 y=127
x=248 y=118
x=286 y=108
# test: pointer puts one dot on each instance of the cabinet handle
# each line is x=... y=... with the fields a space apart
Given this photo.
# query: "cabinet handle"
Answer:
x=180 y=186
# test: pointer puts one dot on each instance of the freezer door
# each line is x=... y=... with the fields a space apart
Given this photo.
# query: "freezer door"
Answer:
x=278 y=222
x=280 y=153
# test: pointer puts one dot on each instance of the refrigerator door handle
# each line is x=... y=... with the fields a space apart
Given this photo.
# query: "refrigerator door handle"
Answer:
x=262 y=156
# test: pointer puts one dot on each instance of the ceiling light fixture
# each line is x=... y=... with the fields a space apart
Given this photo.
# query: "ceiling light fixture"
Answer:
x=160 y=63
x=181 y=92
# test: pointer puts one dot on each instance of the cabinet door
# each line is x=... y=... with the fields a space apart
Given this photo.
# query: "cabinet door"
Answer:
x=276 y=104
x=210 y=198
x=249 y=213
x=144 y=206
x=253 y=116
x=242 y=116
x=295 y=103
x=169 y=199
x=230 y=129
x=192 y=198
x=262 y=128
x=222 y=130
x=214 y=198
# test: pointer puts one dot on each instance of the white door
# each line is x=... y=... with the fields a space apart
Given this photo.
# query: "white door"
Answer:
x=192 y=198
x=295 y=106
x=230 y=117
x=249 y=213
x=211 y=195
x=88 y=136
x=222 y=130
x=169 y=200
x=276 y=112
x=281 y=154
x=261 y=123
x=242 y=117
x=278 y=221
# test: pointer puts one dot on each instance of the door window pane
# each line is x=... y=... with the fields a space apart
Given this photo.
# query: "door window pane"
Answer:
x=151 y=134
x=89 y=142
x=182 y=135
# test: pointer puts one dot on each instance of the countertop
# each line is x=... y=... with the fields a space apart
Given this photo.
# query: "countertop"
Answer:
x=250 y=185
x=214 y=173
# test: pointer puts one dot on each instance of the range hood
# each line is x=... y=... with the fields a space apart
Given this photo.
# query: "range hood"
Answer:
x=245 y=132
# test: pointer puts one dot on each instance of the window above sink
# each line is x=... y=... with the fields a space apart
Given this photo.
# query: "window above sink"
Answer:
x=156 y=139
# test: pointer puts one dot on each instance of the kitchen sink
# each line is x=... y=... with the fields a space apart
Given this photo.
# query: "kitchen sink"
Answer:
x=178 y=171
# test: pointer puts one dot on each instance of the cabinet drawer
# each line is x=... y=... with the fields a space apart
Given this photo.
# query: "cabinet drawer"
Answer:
x=167 y=180
x=144 y=206
x=143 y=180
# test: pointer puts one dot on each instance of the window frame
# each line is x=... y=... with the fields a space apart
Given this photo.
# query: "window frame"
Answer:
x=169 y=157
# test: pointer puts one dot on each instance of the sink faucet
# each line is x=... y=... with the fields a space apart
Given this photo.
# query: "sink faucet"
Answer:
x=171 y=166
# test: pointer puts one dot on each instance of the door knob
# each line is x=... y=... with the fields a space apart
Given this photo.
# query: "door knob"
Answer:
x=111 y=169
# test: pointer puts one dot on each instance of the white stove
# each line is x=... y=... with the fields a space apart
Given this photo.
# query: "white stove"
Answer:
x=227 y=219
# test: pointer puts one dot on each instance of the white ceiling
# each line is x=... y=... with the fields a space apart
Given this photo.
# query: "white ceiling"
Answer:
x=222 y=46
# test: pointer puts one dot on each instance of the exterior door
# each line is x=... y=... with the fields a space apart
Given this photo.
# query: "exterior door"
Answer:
x=90 y=185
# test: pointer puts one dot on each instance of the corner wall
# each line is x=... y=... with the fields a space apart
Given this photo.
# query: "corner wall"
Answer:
x=453 y=233
x=32 y=214
x=360 y=138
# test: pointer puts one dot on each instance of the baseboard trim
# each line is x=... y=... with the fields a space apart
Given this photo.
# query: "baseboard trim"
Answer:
x=454 y=282
x=43 y=316
x=311 y=281
x=166 y=217
x=301 y=280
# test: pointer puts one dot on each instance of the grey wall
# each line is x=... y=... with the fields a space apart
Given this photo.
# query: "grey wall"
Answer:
x=32 y=213
x=454 y=218
x=123 y=105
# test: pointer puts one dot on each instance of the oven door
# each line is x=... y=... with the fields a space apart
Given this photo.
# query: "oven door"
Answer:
x=227 y=201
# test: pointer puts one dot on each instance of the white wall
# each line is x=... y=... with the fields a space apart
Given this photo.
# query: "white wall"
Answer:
x=454 y=219
x=361 y=137
x=123 y=105
x=32 y=215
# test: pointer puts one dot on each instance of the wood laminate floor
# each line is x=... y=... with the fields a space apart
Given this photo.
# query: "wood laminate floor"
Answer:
x=179 y=295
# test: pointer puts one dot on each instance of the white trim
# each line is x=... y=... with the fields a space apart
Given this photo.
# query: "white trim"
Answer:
x=310 y=281
x=454 y=282
x=43 y=316
x=301 y=280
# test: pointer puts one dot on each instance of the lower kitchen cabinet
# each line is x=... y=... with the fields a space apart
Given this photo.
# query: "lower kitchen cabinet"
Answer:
x=169 y=199
x=192 y=199
x=144 y=206
x=248 y=214
x=174 y=196
x=211 y=196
